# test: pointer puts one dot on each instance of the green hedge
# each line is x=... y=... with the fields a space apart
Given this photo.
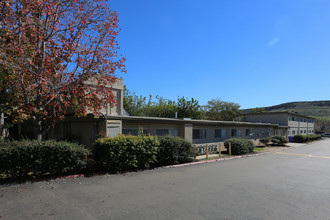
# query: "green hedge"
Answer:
x=174 y=150
x=125 y=152
x=265 y=140
x=278 y=140
x=37 y=158
x=299 y=138
x=239 y=146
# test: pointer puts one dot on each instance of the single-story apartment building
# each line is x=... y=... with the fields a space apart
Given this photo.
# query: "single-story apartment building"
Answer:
x=115 y=120
x=86 y=130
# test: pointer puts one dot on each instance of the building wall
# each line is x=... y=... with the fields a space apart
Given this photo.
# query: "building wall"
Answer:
x=84 y=131
x=151 y=128
x=118 y=93
x=297 y=124
x=280 y=119
x=240 y=132
x=300 y=125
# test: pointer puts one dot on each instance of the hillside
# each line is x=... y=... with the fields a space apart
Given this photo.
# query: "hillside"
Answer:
x=315 y=109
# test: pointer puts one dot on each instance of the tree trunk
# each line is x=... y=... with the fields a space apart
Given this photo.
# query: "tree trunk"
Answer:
x=37 y=128
x=2 y=124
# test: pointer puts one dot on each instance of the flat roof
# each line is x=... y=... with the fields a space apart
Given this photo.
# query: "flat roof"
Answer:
x=190 y=121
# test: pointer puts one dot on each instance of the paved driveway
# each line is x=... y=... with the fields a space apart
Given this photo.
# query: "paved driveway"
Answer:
x=293 y=184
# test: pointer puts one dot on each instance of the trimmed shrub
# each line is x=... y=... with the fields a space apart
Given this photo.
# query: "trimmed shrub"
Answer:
x=265 y=140
x=37 y=158
x=125 y=152
x=239 y=146
x=299 y=138
x=173 y=150
x=278 y=140
x=313 y=137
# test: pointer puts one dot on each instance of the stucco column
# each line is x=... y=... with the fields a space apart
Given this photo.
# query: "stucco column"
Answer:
x=188 y=132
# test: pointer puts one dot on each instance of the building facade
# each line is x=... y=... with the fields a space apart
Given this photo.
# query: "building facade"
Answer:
x=115 y=120
x=296 y=123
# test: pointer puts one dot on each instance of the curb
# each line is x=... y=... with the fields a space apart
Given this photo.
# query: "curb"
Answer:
x=230 y=158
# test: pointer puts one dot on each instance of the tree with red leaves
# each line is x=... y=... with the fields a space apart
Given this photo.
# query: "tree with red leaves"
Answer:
x=52 y=48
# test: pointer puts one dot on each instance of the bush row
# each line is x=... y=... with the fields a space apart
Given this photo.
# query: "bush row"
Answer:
x=138 y=152
x=37 y=158
x=239 y=146
x=275 y=140
x=305 y=138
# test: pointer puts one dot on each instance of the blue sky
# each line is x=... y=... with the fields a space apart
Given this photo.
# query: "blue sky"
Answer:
x=255 y=53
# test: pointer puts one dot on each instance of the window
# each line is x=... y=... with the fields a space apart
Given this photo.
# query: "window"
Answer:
x=262 y=133
x=173 y=132
x=293 y=132
x=305 y=131
x=248 y=132
x=161 y=132
x=133 y=131
x=217 y=133
x=165 y=131
x=223 y=133
x=199 y=134
x=220 y=133
x=288 y=132
x=235 y=132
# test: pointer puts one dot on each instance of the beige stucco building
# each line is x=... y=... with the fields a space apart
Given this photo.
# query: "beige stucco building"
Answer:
x=115 y=120
x=296 y=123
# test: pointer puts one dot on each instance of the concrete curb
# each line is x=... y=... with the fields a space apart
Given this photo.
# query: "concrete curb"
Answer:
x=232 y=158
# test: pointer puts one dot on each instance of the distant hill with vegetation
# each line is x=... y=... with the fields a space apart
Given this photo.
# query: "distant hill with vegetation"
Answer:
x=315 y=109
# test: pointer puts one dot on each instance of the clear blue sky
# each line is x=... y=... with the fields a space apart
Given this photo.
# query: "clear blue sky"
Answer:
x=252 y=52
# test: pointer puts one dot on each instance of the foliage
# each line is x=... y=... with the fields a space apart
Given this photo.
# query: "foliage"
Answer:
x=265 y=140
x=37 y=158
x=143 y=106
x=125 y=152
x=173 y=150
x=239 y=146
x=189 y=108
x=305 y=138
x=322 y=124
x=314 y=108
x=222 y=110
x=256 y=110
x=61 y=54
x=278 y=140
